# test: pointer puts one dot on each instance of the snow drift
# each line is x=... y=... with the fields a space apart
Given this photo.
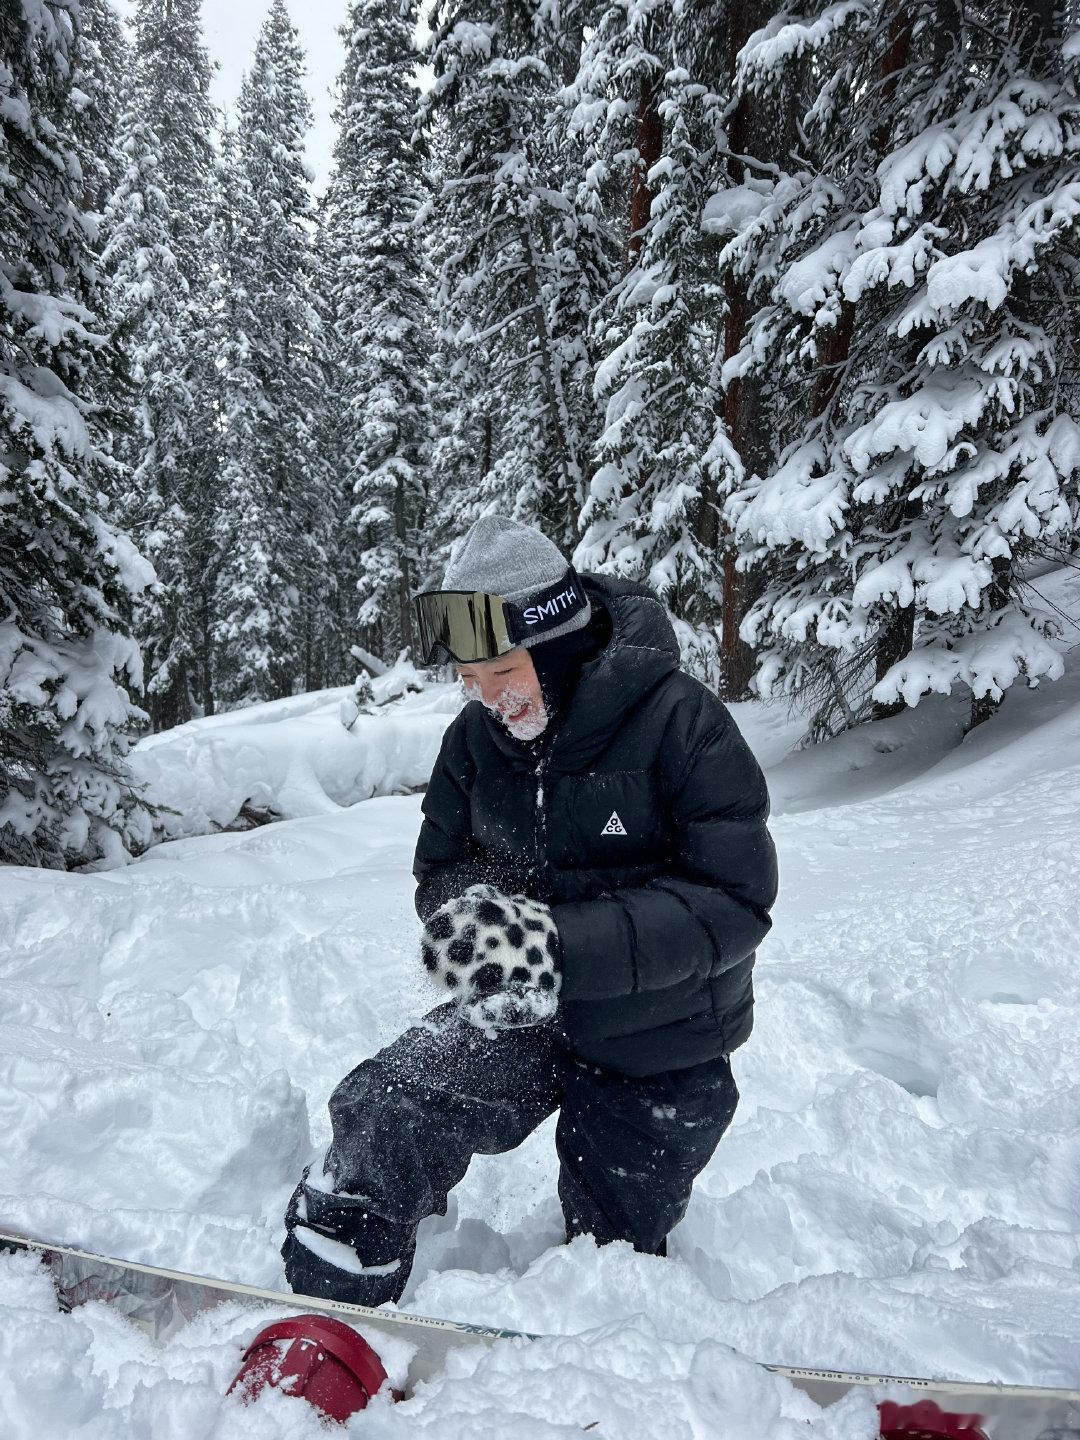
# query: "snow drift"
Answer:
x=307 y=755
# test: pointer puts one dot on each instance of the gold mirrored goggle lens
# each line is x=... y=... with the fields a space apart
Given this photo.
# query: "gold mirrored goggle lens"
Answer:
x=468 y=625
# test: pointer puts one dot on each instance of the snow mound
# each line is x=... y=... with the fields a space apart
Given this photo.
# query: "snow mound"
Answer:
x=307 y=755
x=622 y=1381
x=93 y=1376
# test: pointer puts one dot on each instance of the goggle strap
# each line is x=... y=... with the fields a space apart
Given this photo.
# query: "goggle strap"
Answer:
x=547 y=609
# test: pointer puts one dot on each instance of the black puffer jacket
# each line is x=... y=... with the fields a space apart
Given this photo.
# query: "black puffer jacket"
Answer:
x=660 y=911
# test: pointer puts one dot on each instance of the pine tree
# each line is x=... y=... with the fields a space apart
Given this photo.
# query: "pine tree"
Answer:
x=149 y=305
x=103 y=60
x=380 y=294
x=246 y=537
x=653 y=103
x=518 y=272
x=463 y=479
x=67 y=576
x=758 y=137
x=335 y=444
x=176 y=463
x=277 y=502
x=100 y=80
x=174 y=72
x=909 y=283
x=660 y=323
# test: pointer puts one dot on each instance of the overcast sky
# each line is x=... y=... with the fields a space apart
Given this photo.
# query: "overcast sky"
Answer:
x=230 y=28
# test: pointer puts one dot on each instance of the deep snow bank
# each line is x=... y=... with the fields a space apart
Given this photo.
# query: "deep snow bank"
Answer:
x=307 y=755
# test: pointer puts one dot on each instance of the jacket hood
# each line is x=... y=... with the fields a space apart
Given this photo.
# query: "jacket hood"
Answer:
x=641 y=652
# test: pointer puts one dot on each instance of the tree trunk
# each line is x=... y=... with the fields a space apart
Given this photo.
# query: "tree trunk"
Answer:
x=561 y=427
x=173 y=706
x=838 y=347
x=206 y=649
x=487 y=449
x=946 y=29
x=308 y=648
x=983 y=706
x=648 y=142
x=1042 y=26
x=736 y=657
x=401 y=533
x=756 y=131
x=894 y=641
x=896 y=637
x=831 y=367
x=893 y=61
x=573 y=34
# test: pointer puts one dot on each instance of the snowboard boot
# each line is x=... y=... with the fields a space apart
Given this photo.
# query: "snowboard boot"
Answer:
x=321 y=1252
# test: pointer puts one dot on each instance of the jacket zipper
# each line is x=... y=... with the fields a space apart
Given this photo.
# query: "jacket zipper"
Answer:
x=543 y=755
x=539 y=822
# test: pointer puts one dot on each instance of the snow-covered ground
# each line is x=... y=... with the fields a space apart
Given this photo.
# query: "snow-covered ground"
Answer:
x=900 y=1189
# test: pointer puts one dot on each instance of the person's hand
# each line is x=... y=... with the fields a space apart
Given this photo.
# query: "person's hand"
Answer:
x=497 y=954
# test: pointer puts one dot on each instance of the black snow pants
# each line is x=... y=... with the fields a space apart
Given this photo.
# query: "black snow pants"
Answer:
x=407 y=1122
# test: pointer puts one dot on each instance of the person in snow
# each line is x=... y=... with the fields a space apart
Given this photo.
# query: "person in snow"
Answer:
x=594 y=876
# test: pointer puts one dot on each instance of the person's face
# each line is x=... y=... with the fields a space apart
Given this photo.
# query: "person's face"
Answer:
x=510 y=688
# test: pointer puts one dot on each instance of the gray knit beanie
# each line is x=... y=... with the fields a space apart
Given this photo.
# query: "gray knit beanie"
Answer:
x=504 y=557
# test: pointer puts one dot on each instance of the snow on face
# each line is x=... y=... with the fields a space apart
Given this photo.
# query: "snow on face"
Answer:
x=522 y=711
x=510 y=688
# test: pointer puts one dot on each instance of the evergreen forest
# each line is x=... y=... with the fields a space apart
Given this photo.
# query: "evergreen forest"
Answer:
x=775 y=310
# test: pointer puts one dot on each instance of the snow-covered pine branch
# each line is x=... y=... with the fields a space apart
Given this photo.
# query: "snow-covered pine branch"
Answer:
x=68 y=578
x=149 y=308
x=651 y=121
x=908 y=286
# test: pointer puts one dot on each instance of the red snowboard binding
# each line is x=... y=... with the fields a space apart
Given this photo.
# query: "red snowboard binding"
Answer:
x=926 y=1421
x=317 y=1357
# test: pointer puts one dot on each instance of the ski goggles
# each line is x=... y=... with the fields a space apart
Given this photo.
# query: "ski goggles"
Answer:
x=468 y=626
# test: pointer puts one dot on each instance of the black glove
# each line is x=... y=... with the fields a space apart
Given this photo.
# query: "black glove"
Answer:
x=498 y=955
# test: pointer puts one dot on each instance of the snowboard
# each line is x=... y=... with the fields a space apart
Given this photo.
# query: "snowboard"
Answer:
x=161 y=1301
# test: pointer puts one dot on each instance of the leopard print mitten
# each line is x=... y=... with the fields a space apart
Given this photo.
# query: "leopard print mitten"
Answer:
x=498 y=955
